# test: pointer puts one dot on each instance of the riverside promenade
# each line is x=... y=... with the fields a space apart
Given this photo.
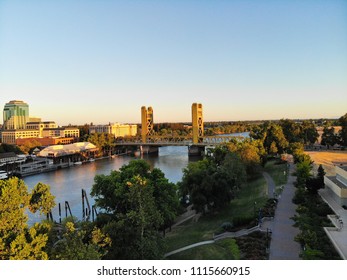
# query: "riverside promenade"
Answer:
x=283 y=246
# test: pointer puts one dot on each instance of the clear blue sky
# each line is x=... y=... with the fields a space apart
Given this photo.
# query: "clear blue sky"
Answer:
x=100 y=61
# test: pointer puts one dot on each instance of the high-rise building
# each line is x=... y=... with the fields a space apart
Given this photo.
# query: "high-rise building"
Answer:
x=15 y=115
x=19 y=126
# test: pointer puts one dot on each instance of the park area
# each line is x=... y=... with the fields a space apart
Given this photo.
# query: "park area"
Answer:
x=240 y=213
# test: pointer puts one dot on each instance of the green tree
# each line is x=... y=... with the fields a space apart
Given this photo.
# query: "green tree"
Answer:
x=250 y=151
x=343 y=131
x=275 y=141
x=165 y=197
x=17 y=240
x=303 y=171
x=103 y=141
x=309 y=132
x=320 y=175
x=329 y=138
x=291 y=130
x=212 y=182
x=6 y=148
x=134 y=210
x=41 y=199
x=29 y=146
x=78 y=241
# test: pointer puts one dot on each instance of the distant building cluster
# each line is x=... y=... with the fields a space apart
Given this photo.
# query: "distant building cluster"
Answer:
x=116 y=129
x=19 y=127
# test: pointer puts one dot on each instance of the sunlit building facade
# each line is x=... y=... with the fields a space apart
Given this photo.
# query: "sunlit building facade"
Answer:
x=19 y=126
x=15 y=115
x=116 y=129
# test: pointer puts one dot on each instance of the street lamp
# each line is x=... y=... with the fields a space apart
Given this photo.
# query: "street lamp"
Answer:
x=255 y=210
x=268 y=234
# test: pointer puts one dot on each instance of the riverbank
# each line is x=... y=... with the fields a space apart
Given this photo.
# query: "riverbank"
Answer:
x=66 y=184
x=44 y=165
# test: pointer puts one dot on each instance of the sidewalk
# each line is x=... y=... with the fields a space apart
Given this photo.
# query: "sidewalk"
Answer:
x=283 y=246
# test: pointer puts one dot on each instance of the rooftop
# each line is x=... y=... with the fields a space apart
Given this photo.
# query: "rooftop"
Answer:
x=337 y=182
x=60 y=150
x=7 y=155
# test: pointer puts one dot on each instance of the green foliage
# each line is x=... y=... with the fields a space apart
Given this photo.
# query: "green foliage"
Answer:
x=320 y=175
x=17 y=240
x=304 y=132
x=29 y=146
x=103 y=141
x=41 y=199
x=309 y=132
x=136 y=202
x=343 y=131
x=303 y=171
x=203 y=229
x=231 y=245
x=311 y=215
x=7 y=148
x=272 y=136
x=253 y=246
x=311 y=254
x=82 y=243
x=239 y=221
x=329 y=138
x=250 y=152
x=212 y=182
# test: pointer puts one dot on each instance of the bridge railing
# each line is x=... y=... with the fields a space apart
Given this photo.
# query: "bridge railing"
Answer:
x=183 y=140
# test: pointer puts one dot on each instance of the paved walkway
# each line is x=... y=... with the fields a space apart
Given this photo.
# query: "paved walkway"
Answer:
x=283 y=246
x=338 y=233
x=270 y=185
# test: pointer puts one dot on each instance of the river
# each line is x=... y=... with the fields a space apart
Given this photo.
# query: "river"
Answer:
x=67 y=184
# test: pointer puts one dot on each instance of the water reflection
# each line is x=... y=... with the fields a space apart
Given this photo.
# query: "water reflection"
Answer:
x=67 y=184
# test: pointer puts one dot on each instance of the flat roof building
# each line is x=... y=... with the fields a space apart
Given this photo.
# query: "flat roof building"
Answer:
x=116 y=129
x=337 y=184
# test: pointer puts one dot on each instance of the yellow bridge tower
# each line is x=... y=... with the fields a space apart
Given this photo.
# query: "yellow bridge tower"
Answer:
x=146 y=123
x=197 y=123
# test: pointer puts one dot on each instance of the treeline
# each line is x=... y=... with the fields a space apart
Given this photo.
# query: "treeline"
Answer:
x=331 y=138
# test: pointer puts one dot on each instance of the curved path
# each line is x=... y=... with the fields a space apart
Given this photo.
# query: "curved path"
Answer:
x=282 y=246
x=270 y=184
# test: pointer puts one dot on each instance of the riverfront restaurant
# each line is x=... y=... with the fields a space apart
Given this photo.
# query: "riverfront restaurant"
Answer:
x=76 y=152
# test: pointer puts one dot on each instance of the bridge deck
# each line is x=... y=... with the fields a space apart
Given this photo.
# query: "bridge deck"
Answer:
x=178 y=141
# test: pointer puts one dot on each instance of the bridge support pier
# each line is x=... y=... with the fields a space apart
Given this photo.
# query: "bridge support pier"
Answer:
x=146 y=150
x=195 y=150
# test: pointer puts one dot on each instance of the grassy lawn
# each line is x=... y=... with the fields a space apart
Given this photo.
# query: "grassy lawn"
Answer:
x=276 y=169
x=221 y=250
x=242 y=206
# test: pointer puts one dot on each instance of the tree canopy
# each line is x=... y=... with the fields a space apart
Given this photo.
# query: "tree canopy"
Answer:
x=136 y=202
x=212 y=182
x=343 y=132
x=17 y=240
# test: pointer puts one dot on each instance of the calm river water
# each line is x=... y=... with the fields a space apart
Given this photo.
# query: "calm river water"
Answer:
x=67 y=184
